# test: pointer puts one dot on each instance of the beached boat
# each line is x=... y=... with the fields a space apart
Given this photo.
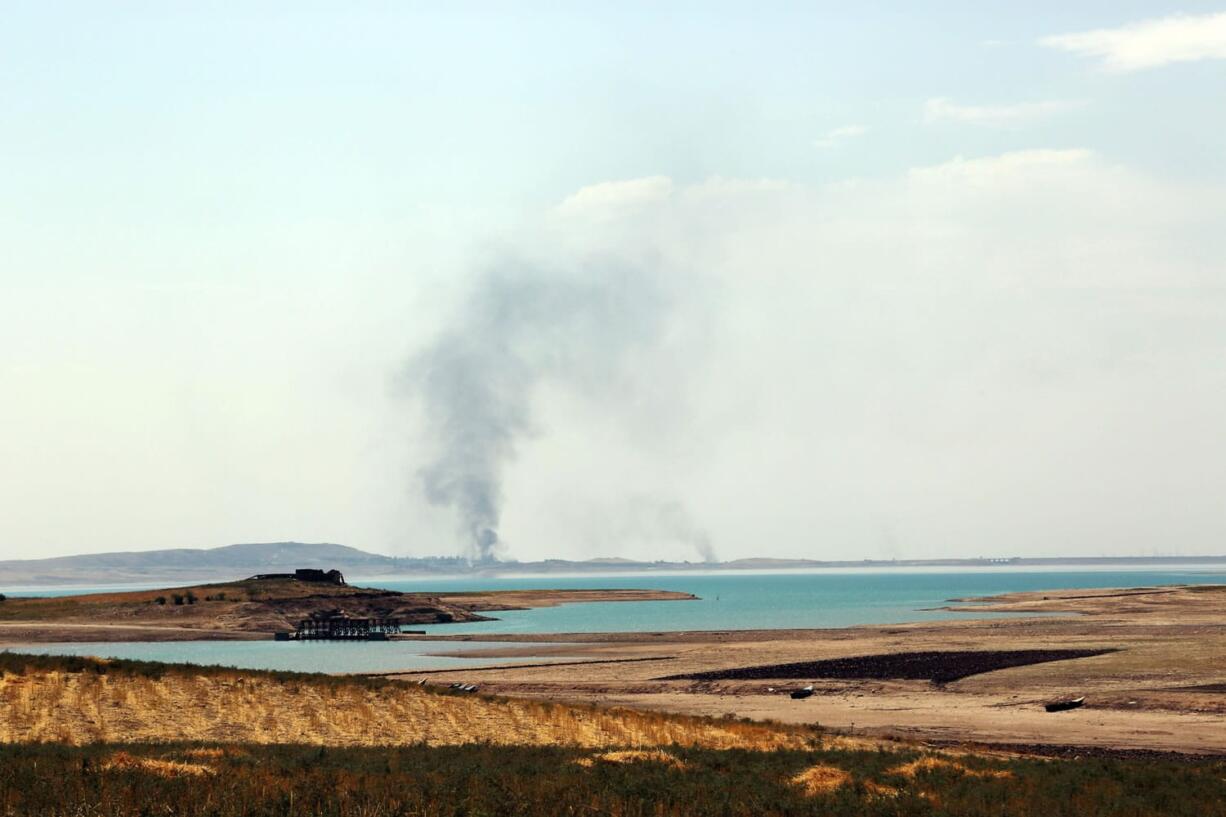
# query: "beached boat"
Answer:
x=1061 y=706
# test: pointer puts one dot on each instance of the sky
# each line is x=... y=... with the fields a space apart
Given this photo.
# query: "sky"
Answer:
x=643 y=280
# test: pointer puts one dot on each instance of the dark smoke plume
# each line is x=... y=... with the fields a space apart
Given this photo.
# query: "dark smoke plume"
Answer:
x=519 y=327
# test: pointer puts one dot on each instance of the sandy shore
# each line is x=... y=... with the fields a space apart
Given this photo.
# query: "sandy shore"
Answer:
x=1162 y=686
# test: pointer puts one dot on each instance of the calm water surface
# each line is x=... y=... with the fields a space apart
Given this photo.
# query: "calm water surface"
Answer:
x=727 y=601
x=778 y=600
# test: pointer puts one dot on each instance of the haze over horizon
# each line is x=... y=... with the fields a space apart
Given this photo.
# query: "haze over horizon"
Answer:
x=611 y=282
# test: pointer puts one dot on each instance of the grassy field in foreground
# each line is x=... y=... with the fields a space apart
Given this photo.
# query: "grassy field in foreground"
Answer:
x=84 y=737
x=225 y=780
x=72 y=700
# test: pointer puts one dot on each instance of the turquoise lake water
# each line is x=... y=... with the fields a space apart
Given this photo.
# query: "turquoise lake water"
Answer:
x=775 y=601
x=727 y=601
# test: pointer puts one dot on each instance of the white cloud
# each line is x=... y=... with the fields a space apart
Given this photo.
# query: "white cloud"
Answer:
x=721 y=186
x=1150 y=43
x=992 y=171
x=616 y=195
x=941 y=108
x=838 y=136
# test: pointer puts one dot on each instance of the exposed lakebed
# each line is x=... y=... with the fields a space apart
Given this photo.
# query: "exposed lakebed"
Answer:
x=726 y=601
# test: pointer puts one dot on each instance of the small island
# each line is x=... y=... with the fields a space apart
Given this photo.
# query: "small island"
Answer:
x=263 y=605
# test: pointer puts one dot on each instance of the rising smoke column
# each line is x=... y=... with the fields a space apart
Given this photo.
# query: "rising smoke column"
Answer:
x=521 y=325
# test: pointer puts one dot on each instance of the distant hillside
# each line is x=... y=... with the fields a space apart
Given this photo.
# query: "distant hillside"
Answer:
x=221 y=563
x=239 y=561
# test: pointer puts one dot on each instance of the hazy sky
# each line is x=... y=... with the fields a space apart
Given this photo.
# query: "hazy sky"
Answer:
x=654 y=280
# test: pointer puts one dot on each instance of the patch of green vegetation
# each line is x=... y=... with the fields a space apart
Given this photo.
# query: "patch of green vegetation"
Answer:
x=228 y=781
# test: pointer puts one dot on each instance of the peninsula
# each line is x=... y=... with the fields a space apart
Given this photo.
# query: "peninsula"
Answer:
x=259 y=606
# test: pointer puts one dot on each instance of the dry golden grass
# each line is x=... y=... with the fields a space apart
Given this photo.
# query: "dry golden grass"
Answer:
x=880 y=789
x=634 y=756
x=207 y=753
x=933 y=763
x=821 y=779
x=161 y=768
x=79 y=708
x=824 y=779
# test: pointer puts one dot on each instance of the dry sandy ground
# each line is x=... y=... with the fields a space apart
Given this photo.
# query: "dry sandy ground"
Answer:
x=1164 y=688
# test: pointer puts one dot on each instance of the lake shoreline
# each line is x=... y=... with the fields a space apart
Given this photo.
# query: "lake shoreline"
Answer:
x=1151 y=673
